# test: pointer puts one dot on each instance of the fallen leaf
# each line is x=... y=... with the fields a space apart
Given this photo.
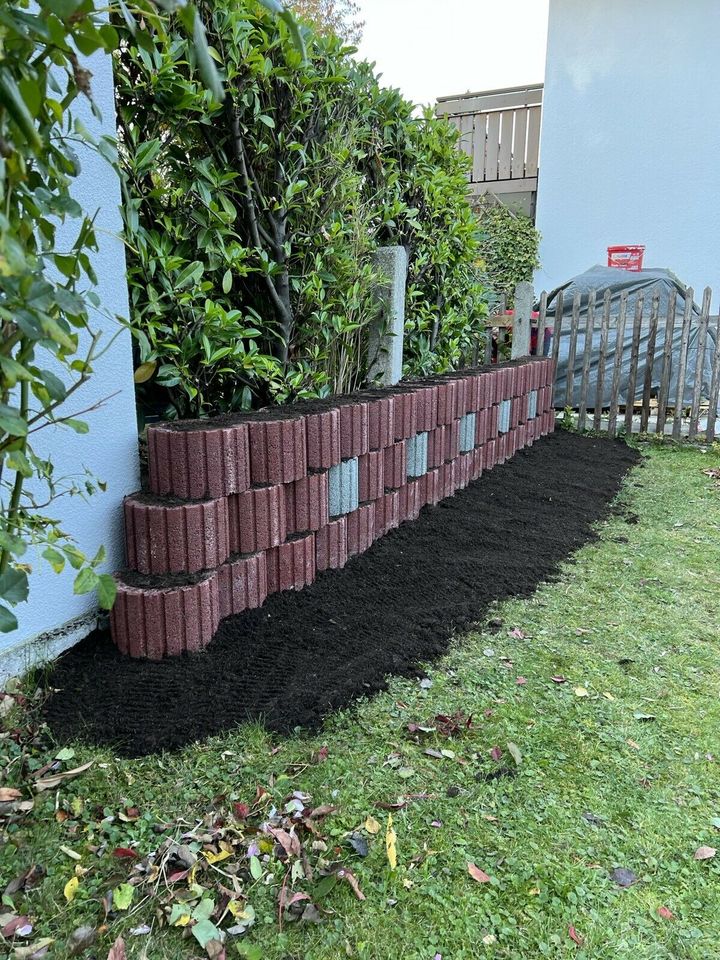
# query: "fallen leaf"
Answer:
x=705 y=853
x=581 y=692
x=123 y=896
x=372 y=826
x=241 y=811
x=67 y=753
x=55 y=779
x=117 y=950
x=70 y=853
x=8 y=794
x=514 y=752
x=391 y=843
x=81 y=940
x=517 y=634
x=216 y=857
x=608 y=695
x=489 y=939
x=477 y=874
x=644 y=716
x=34 y=950
x=633 y=744
x=496 y=753
x=359 y=844
x=125 y=853
x=623 y=877
x=521 y=681
x=344 y=874
x=558 y=678
x=575 y=936
x=665 y=913
x=71 y=888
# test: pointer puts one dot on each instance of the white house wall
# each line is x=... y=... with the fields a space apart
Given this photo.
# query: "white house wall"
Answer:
x=630 y=146
x=54 y=617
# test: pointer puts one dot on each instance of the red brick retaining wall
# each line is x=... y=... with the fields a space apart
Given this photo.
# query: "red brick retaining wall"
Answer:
x=238 y=507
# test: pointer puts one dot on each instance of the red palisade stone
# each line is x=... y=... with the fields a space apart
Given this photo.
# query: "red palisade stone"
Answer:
x=433 y=486
x=306 y=503
x=243 y=584
x=157 y=622
x=381 y=421
x=409 y=506
x=323 y=439
x=387 y=513
x=465 y=468
x=405 y=413
x=354 y=430
x=371 y=475
x=478 y=462
x=277 y=450
x=257 y=519
x=395 y=466
x=197 y=463
x=452 y=440
x=182 y=538
x=291 y=565
x=360 y=529
x=331 y=551
x=436 y=446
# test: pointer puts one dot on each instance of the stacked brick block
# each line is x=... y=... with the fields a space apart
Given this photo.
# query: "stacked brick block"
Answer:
x=239 y=508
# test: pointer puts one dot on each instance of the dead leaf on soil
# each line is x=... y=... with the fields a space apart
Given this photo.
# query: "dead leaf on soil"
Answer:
x=117 y=950
x=55 y=779
x=665 y=913
x=575 y=936
x=705 y=853
x=477 y=874
x=391 y=843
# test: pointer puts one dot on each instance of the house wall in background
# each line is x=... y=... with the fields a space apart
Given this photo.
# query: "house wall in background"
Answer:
x=54 y=618
x=631 y=137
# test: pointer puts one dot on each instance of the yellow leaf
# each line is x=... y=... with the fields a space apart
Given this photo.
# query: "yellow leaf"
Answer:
x=71 y=888
x=183 y=921
x=372 y=826
x=608 y=696
x=581 y=692
x=391 y=843
x=81 y=871
x=534 y=892
x=216 y=857
x=408 y=884
x=239 y=910
x=145 y=371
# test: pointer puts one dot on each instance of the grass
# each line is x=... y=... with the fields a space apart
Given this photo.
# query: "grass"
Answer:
x=633 y=621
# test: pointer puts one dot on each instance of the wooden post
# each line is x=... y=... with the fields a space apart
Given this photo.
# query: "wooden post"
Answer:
x=664 y=394
x=617 y=364
x=572 y=350
x=649 y=363
x=634 y=354
x=600 y=384
x=542 y=321
x=714 y=387
x=521 y=320
x=682 y=362
x=587 y=356
x=699 y=363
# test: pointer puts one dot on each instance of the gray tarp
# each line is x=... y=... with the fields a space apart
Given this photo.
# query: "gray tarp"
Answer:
x=649 y=282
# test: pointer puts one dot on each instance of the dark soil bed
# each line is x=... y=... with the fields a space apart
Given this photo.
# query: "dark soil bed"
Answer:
x=305 y=654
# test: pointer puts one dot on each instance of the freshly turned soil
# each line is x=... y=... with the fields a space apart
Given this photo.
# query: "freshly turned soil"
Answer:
x=302 y=655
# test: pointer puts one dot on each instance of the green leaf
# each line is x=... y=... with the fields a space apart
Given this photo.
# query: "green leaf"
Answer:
x=11 y=422
x=55 y=386
x=54 y=558
x=256 y=870
x=106 y=591
x=8 y=621
x=206 y=66
x=79 y=426
x=204 y=931
x=14 y=586
x=11 y=99
x=86 y=581
x=227 y=281
x=123 y=896
x=17 y=461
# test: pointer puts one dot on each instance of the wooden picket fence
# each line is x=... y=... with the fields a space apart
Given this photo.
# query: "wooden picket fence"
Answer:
x=660 y=409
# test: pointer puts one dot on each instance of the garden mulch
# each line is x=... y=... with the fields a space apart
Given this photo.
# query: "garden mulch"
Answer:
x=302 y=655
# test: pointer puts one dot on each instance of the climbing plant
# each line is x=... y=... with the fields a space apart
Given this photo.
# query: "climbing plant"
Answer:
x=509 y=246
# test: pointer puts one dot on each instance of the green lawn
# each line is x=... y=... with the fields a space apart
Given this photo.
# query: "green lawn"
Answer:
x=633 y=624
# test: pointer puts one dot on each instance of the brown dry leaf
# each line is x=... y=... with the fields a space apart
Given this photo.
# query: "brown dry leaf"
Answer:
x=477 y=874
x=117 y=950
x=8 y=794
x=372 y=826
x=344 y=874
x=665 y=913
x=55 y=779
x=705 y=853
x=633 y=744
x=575 y=936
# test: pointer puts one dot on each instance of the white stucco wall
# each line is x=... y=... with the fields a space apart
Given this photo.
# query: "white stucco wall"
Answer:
x=54 y=617
x=631 y=137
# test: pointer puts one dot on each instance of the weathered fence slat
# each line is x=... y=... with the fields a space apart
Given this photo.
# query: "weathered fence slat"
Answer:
x=557 y=328
x=649 y=363
x=600 y=383
x=699 y=364
x=542 y=321
x=714 y=387
x=682 y=362
x=617 y=364
x=587 y=355
x=572 y=350
x=664 y=393
x=634 y=357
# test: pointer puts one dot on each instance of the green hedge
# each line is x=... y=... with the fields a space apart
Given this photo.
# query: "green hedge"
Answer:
x=251 y=223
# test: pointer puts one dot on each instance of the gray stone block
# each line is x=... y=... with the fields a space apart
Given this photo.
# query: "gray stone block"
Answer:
x=532 y=404
x=467 y=433
x=416 y=450
x=504 y=418
x=343 y=488
x=385 y=341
